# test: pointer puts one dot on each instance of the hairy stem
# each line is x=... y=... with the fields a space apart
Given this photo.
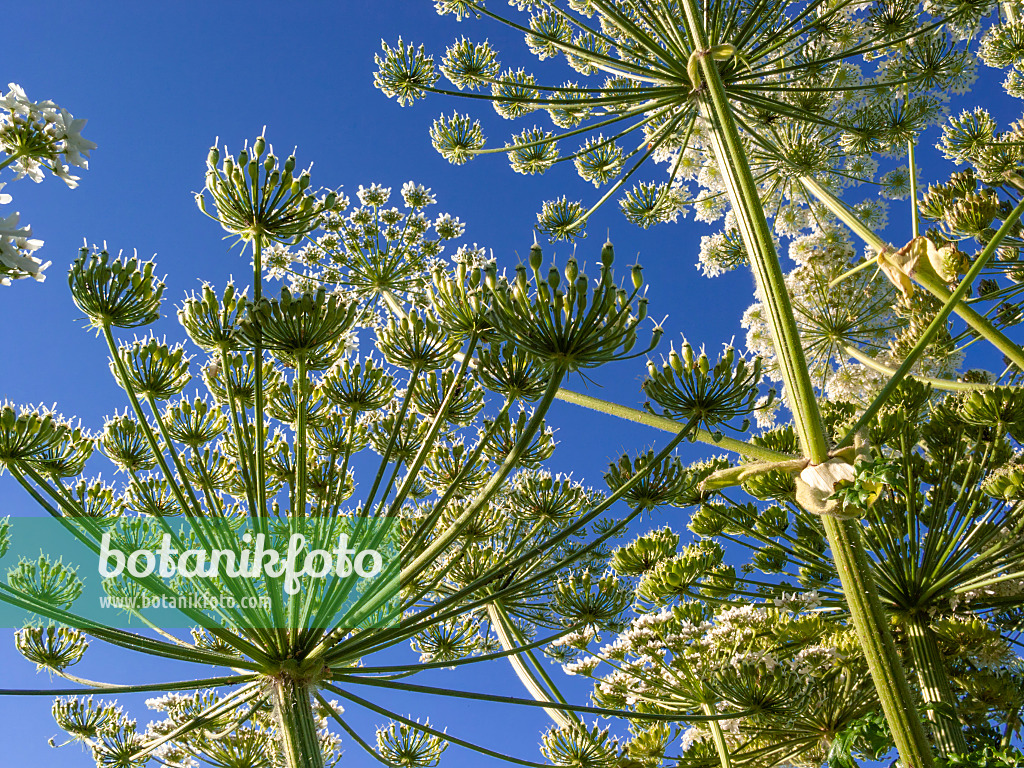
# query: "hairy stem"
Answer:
x=935 y=688
x=296 y=724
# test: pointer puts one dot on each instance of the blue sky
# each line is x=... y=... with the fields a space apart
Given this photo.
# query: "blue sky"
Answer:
x=158 y=82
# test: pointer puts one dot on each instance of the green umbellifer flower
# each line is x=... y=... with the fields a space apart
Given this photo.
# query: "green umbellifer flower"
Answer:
x=688 y=387
x=305 y=328
x=565 y=325
x=457 y=138
x=84 y=719
x=255 y=198
x=121 y=292
x=403 y=744
x=586 y=599
x=194 y=422
x=575 y=746
x=359 y=386
x=532 y=151
x=661 y=484
x=644 y=552
x=417 y=341
x=459 y=300
x=26 y=434
x=504 y=434
x=508 y=370
x=52 y=648
x=66 y=459
x=153 y=368
x=46 y=581
x=212 y=323
x=404 y=72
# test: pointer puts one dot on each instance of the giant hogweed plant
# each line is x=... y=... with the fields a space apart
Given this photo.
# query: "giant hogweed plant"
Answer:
x=497 y=556
x=768 y=106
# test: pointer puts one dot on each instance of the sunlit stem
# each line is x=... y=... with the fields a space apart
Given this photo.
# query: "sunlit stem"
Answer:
x=866 y=264
x=668 y=425
x=844 y=537
x=935 y=688
x=976 y=321
x=293 y=710
x=526 y=676
x=946 y=385
x=258 y=417
x=718 y=736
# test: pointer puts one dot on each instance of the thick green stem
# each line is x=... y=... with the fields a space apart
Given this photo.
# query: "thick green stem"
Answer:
x=935 y=688
x=296 y=724
x=844 y=537
x=721 y=747
x=668 y=425
x=757 y=237
x=898 y=702
x=915 y=224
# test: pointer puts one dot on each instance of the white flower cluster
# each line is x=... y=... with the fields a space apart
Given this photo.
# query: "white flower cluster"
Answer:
x=35 y=136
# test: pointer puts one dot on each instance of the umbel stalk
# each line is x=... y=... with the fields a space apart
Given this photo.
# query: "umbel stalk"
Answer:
x=844 y=537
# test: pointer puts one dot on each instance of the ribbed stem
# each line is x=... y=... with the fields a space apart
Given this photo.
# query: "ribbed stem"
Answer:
x=935 y=688
x=869 y=621
x=721 y=747
x=668 y=425
x=843 y=536
x=296 y=724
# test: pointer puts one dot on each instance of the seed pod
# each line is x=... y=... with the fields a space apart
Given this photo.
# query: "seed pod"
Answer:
x=572 y=270
x=637 y=278
x=703 y=365
x=213 y=158
x=607 y=254
x=675 y=362
x=687 y=351
x=260 y=145
x=554 y=278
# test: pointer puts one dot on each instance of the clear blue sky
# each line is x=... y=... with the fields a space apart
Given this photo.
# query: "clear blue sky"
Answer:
x=158 y=81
